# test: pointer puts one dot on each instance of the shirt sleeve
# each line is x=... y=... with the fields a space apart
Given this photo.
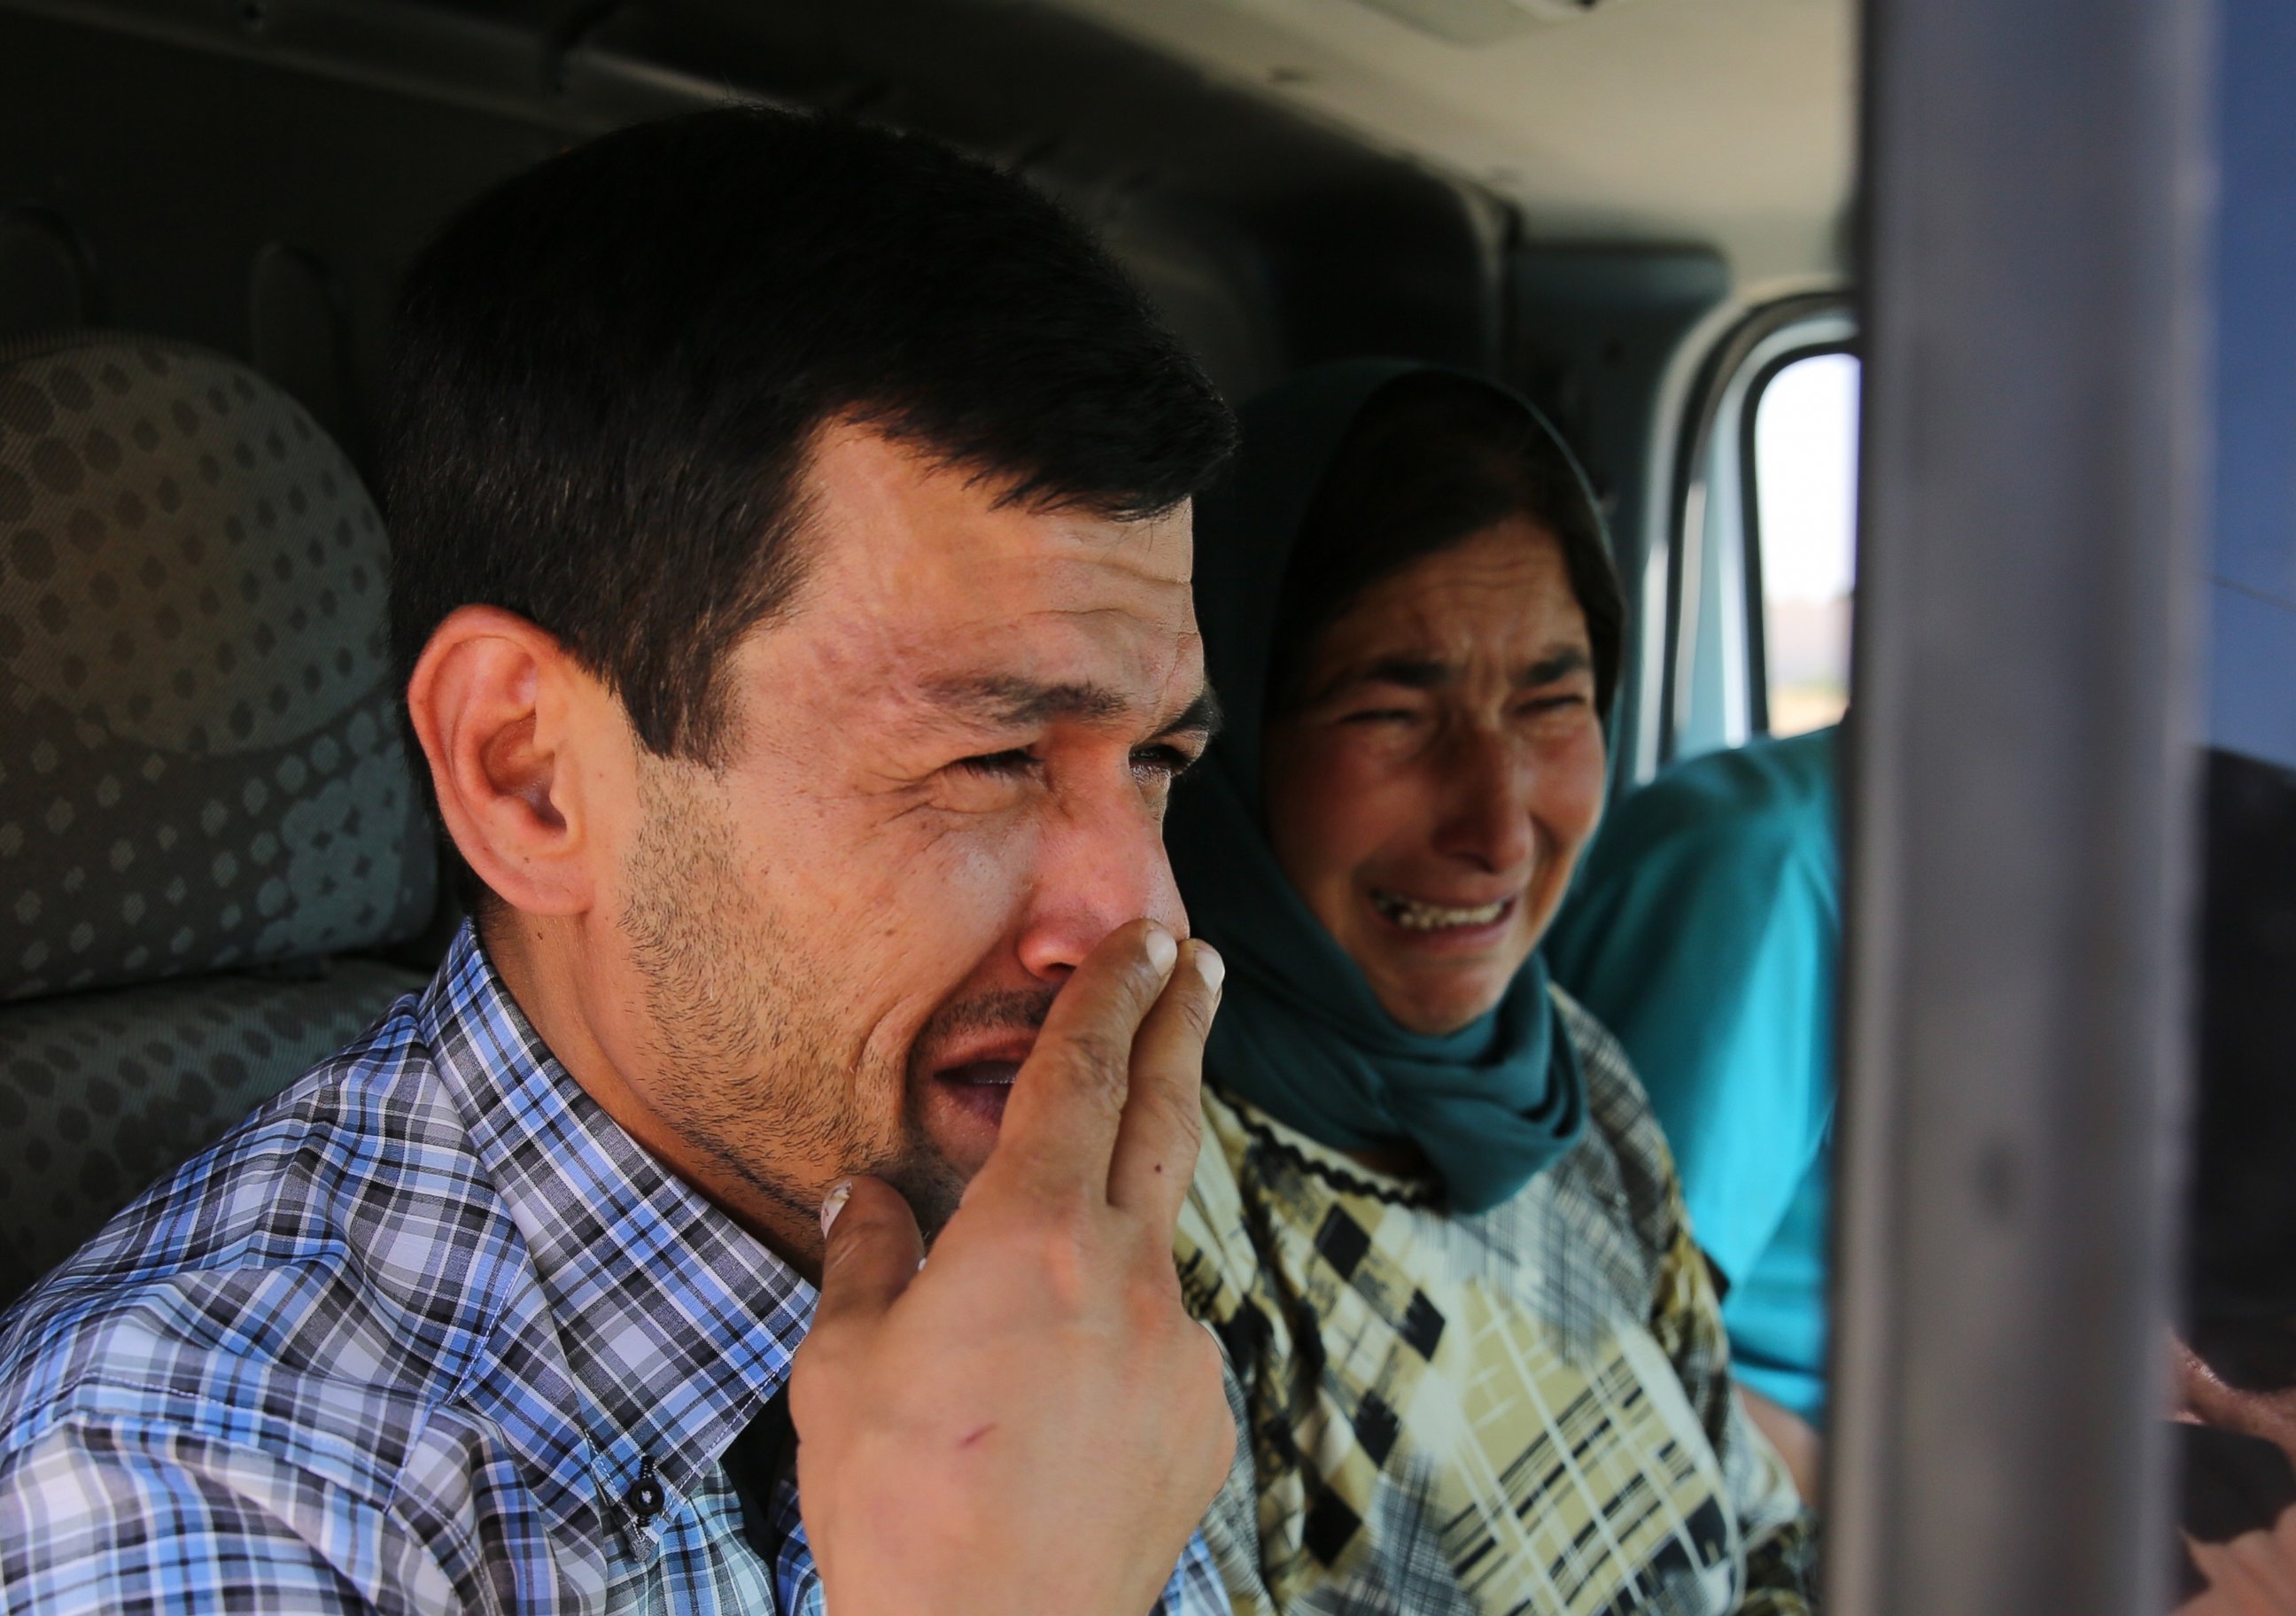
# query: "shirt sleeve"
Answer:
x=1231 y=1528
x=1778 y=1531
x=797 y=1580
x=1210 y=1247
x=1196 y=1588
x=107 y=1517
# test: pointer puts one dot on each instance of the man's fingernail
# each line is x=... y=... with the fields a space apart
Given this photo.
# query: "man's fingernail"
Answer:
x=1210 y=966
x=1163 y=950
x=833 y=1202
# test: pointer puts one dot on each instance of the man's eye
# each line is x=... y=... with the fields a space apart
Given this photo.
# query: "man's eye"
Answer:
x=1000 y=765
x=1560 y=702
x=1163 y=762
x=1380 y=714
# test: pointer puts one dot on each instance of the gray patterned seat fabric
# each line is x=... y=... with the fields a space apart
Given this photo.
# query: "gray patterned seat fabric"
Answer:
x=205 y=803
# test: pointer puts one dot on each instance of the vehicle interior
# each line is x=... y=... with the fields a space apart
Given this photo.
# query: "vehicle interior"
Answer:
x=1651 y=215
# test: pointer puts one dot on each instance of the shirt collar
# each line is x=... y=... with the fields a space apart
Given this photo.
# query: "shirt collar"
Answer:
x=678 y=1322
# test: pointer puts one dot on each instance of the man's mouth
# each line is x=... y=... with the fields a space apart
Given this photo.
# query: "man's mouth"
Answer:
x=979 y=1088
x=981 y=1081
x=1418 y=914
x=963 y=1064
x=981 y=1074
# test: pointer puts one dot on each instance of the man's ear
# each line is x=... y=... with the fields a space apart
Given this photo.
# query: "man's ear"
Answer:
x=498 y=706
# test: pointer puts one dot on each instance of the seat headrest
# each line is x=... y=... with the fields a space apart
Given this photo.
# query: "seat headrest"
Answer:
x=200 y=760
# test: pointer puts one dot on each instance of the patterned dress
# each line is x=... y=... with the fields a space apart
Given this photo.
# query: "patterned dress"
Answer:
x=1526 y=1410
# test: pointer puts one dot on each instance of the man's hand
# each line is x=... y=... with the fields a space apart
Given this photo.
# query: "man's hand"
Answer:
x=1033 y=1422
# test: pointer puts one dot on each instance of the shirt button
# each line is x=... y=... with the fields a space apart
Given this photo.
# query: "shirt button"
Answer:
x=644 y=1497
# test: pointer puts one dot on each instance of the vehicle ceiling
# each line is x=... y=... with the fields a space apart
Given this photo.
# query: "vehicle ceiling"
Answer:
x=1725 y=122
x=1560 y=201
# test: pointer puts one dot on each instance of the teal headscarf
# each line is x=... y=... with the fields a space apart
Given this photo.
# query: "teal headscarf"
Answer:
x=1300 y=1033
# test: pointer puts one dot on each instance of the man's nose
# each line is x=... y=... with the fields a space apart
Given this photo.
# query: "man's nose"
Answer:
x=1484 y=789
x=1099 y=866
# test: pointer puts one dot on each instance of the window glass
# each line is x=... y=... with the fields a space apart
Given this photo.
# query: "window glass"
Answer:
x=1806 y=504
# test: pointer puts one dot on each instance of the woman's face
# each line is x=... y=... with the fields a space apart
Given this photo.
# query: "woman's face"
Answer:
x=1444 y=766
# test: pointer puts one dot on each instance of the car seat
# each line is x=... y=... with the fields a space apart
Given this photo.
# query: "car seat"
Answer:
x=207 y=824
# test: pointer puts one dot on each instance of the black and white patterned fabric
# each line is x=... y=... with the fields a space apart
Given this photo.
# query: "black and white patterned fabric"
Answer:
x=203 y=780
x=1527 y=1409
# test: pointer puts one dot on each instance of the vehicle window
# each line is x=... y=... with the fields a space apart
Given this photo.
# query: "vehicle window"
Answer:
x=1805 y=495
x=1756 y=633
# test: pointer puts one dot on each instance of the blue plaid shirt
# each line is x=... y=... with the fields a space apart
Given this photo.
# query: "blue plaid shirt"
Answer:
x=410 y=1338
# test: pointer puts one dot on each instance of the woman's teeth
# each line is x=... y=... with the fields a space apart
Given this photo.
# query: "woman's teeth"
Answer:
x=1413 y=915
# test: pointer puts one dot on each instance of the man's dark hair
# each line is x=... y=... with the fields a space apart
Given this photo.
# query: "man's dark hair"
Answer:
x=1431 y=460
x=606 y=375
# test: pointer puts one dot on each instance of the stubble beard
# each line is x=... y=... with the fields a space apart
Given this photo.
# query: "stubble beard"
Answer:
x=754 y=1070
